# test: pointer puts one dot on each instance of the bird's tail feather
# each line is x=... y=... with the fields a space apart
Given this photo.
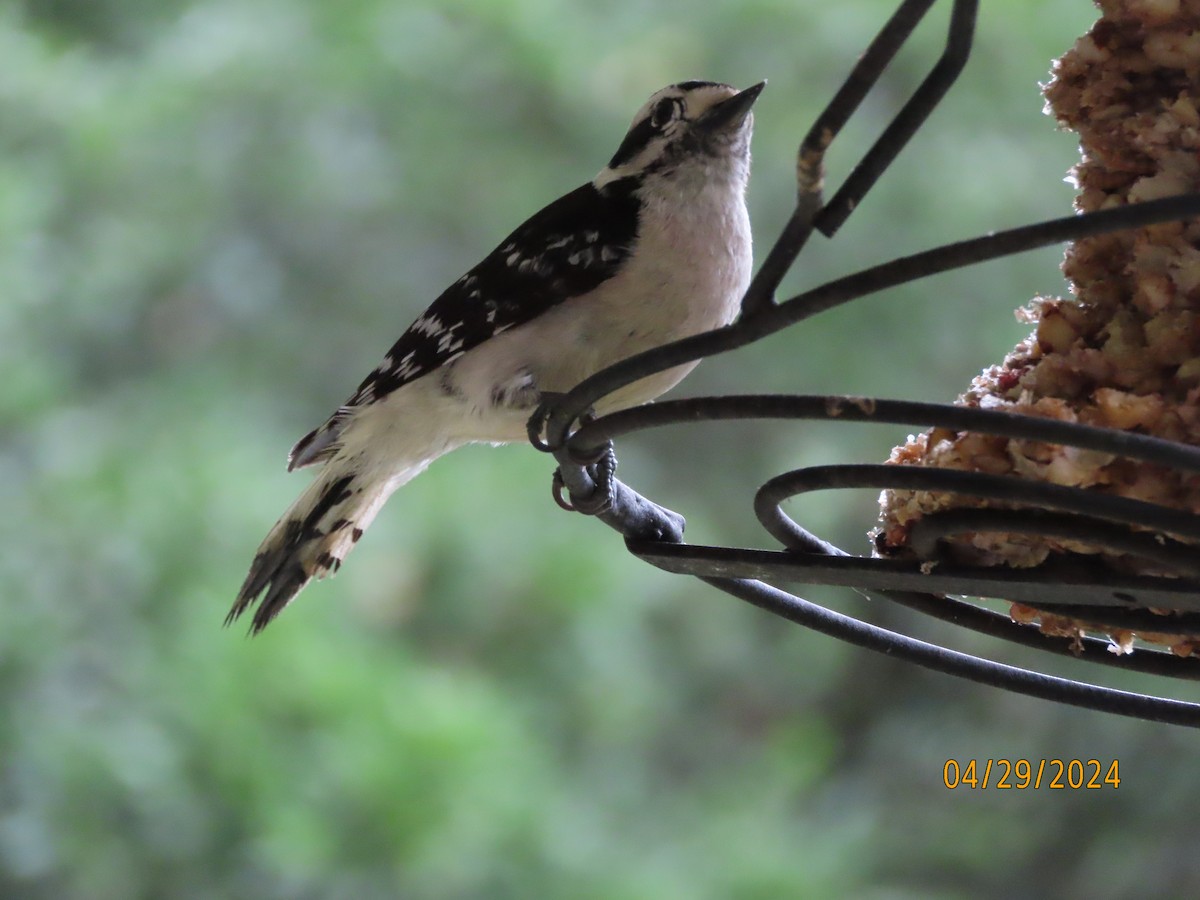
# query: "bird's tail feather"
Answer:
x=312 y=538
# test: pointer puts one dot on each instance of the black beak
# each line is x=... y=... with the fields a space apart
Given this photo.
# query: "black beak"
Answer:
x=731 y=112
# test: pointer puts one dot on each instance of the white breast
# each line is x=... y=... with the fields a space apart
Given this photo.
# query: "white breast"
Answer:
x=687 y=274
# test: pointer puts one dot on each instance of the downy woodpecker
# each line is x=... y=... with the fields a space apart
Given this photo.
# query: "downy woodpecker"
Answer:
x=653 y=249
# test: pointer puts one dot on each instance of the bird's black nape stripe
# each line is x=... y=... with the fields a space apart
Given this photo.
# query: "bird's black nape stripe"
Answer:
x=635 y=142
x=692 y=85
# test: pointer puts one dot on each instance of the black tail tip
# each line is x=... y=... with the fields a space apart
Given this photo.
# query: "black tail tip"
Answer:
x=263 y=615
x=235 y=612
x=281 y=586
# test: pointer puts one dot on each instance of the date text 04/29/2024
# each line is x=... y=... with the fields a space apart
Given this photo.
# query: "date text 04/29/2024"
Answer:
x=1025 y=774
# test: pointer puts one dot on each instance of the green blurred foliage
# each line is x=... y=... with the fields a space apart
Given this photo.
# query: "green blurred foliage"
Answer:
x=216 y=215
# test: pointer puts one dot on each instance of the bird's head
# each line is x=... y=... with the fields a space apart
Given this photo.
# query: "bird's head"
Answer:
x=691 y=125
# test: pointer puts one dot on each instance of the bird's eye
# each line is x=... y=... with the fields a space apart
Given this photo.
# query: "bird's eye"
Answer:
x=665 y=111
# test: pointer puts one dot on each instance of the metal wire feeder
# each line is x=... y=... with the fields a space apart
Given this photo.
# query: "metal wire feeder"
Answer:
x=582 y=447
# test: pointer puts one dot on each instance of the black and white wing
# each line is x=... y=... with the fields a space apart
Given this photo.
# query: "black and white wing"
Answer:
x=567 y=249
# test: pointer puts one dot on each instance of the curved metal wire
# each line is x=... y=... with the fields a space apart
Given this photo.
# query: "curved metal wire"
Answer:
x=962 y=665
x=814 y=561
x=1066 y=586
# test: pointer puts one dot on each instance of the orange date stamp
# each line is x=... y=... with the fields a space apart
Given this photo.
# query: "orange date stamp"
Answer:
x=1036 y=774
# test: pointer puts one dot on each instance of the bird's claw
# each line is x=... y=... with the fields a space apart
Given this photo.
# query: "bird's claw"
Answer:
x=603 y=474
x=538 y=420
